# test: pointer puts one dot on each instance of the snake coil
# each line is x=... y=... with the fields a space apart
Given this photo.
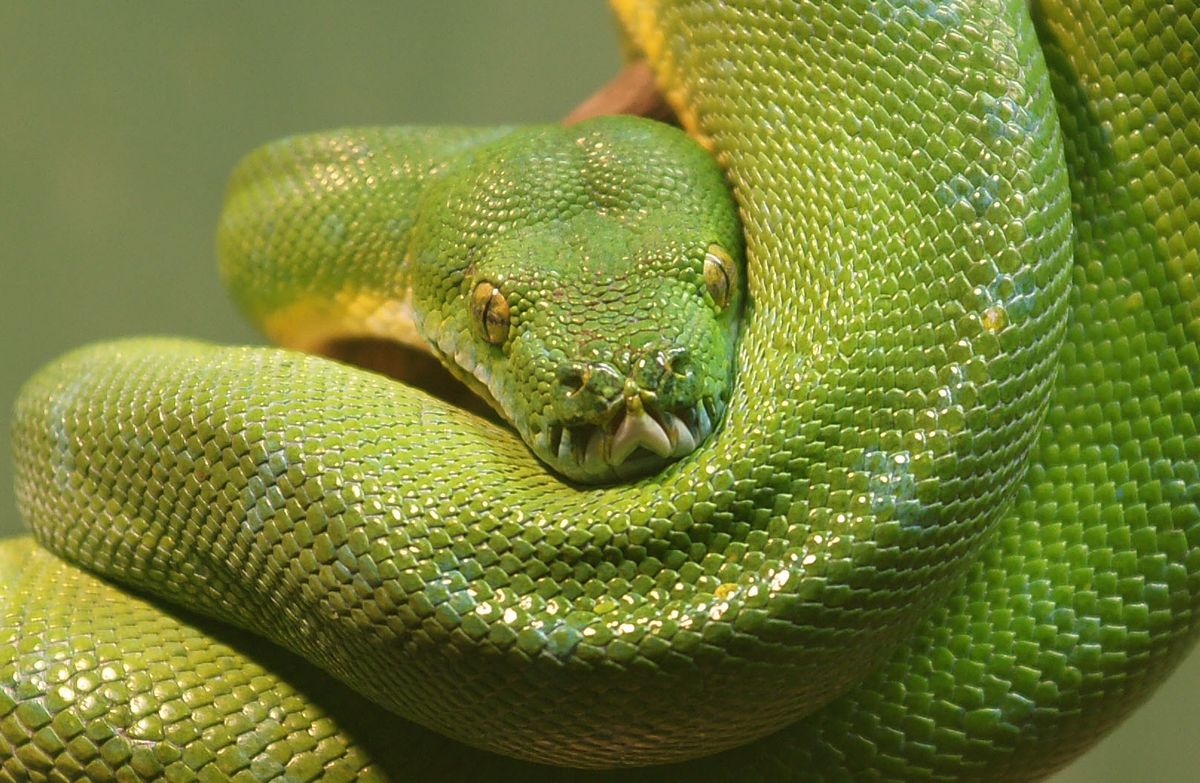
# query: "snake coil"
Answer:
x=966 y=405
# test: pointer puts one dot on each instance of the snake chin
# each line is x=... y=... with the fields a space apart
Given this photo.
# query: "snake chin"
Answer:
x=628 y=443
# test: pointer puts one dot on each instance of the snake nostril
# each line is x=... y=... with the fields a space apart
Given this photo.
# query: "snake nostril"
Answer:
x=573 y=376
x=677 y=361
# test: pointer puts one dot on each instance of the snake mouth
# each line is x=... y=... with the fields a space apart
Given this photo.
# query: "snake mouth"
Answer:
x=622 y=445
x=628 y=443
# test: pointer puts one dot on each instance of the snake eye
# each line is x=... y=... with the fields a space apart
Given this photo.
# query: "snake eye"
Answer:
x=489 y=311
x=720 y=276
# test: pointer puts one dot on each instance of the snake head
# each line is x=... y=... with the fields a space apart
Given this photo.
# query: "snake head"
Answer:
x=586 y=281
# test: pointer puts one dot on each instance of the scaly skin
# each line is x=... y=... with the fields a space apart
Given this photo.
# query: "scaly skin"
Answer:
x=428 y=560
x=901 y=182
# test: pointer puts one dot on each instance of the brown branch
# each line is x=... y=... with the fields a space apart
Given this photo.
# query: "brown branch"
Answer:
x=632 y=91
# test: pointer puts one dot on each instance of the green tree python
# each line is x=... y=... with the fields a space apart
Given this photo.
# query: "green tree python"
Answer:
x=910 y=492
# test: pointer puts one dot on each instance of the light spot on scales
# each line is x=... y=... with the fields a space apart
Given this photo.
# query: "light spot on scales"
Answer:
x=891 y=485
x=61 y=433
x=970 y=194
x=1006 y=116
x=333 y=229
x=1007 y=295
x=943 y=12
x=994 y=318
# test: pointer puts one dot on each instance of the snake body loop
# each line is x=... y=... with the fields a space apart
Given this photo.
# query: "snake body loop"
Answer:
x=965 y=403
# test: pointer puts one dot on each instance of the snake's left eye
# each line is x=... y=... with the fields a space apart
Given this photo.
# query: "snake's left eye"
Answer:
x=489 y=312
x=720 y=276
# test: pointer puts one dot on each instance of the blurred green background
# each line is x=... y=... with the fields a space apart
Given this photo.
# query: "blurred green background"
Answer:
x=119 y=123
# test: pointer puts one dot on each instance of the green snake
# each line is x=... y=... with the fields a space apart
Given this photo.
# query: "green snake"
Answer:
x=945 y=524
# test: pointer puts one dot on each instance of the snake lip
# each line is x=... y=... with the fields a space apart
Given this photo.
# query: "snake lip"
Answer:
x=628 y=442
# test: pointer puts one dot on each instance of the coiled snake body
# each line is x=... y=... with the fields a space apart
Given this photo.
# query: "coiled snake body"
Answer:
x=965 y=403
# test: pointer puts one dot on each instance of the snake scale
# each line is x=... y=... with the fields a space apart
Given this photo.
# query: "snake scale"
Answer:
x=947 y=528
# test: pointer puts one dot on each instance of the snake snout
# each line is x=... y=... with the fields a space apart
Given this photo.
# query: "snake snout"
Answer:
x=631 y=421
x=604 y=383
x=591 y=385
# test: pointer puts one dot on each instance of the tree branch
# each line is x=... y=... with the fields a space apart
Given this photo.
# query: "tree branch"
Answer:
x=632 y=91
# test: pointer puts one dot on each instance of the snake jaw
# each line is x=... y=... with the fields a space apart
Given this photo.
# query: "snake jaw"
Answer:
x=630 y=442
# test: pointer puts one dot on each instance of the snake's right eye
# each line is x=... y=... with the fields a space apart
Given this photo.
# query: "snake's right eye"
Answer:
x=720 y=276
x=489 y=312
